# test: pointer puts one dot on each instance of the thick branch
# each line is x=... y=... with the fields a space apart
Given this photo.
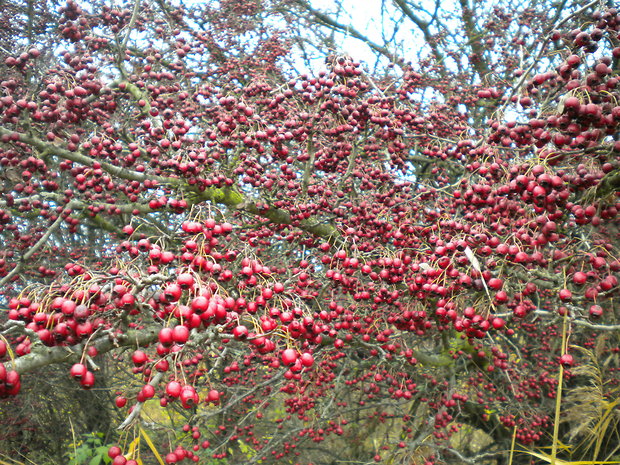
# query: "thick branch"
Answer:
x=309 y=165
x=132 y=22
x=234 y=200
x=609 y=184
x=41 y=356
x=473 y=36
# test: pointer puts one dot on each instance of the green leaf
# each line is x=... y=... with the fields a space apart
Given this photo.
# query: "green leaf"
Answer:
x=82 y=454
x=96 y=460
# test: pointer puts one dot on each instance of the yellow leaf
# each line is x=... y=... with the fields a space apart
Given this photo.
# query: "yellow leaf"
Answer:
x=9 y=350
x=152 y=446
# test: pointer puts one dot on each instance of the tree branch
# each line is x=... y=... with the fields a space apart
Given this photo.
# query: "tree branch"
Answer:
x=138 y=406
x=77 y=157
x=423 y=26
x=329 y=22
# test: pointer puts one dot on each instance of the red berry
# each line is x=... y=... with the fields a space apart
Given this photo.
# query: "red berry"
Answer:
x=307 y=359
x=498 y=323
x=139 y=358
x=565 y=294
x=180 y=334
x=580 y=277
x=166 y=336
x=240 y=332
x=213 y=396
x=88 y=380
x=119 y=460
x=595 y=311
x=173 y=389
x=148 y=391
x=78 y=370
x=172 y=293
x=289 y=356
x=185 y=281
x=114 y=452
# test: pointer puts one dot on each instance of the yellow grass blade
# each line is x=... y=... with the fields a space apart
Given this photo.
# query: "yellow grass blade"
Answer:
x=512 y=446
x=549 y=458
x=12 y=462
x=560 y=446
x=602 y=426
x=133 y=446
x=558 y=397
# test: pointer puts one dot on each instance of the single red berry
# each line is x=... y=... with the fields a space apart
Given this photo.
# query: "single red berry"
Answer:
x=289 y=356
x=180 y=334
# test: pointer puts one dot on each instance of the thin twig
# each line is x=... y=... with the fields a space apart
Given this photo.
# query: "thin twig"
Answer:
x=132 y=22
x=309 y=164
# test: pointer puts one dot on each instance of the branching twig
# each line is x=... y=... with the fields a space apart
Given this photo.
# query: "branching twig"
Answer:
x=138 y=407
x=545 y=42
x=17 y=268
x=329 y=22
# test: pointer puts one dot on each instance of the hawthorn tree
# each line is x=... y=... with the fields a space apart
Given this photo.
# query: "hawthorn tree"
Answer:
x=409 y=261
